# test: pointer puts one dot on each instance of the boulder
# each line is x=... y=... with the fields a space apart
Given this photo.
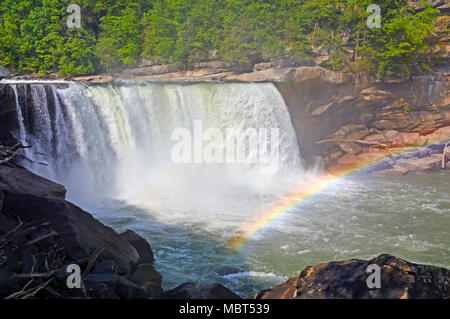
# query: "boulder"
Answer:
x=347 y=280
x=146 y=275
x=394 y=171
x=4 y=73
x=106 y=266
x=141 y=245
x=21 y=181
x=79 y=233
x=111 y=286
x=194 y=291
x=430 y=163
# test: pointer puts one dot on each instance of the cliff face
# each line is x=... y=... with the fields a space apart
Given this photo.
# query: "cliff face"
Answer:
x=338 y=118
x=342 y=120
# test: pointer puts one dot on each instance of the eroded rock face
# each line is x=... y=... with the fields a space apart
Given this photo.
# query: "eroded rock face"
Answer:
x=342 y=121
x=347 y=280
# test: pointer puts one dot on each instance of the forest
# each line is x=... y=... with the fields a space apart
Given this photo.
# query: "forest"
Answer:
x=116 y=34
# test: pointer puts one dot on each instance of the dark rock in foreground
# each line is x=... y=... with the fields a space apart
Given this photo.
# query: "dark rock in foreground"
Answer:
x=347 y=280
x=193 y=291
x=41 y=234
x=21 y=181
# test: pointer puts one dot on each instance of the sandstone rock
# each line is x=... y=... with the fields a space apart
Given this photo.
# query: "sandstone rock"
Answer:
x=430 y=163
x=193 y=291
x=4 y=73
x=151 y=70
x=306 y=73
x=141 y=245
x=21 y=181
x=347 y=280
x=394 y=171
x=217 y=65
x=263 y=66
x=98 y=78
x=411 y=139
x=269 y=75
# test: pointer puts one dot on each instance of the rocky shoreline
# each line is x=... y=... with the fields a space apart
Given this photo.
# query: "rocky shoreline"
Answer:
x=41 y=234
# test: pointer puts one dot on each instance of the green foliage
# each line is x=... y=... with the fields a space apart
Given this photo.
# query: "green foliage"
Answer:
x=119 y=33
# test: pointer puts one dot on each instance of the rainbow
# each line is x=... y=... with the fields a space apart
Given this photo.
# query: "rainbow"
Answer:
x=305 y=192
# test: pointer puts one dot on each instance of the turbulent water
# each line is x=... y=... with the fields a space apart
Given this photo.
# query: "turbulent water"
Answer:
x=111 y=146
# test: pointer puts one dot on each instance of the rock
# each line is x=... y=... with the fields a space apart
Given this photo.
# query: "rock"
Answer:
x=269 y=75
x=7 y=284
x=108 y=286
x=106 y=266
x=306 y=73
x=151 y=70
x=347 y=280
x=263 y=66
x=436 y=148
x=433 y=162
x=4 y=73
x=423 y=153
x=146 y=275
x=213 y=65
x=411 y=139
x=98 y=78
x=193 y=291
x=78 y=232
x=21 y=181
x=394 y=171
x=141 y=245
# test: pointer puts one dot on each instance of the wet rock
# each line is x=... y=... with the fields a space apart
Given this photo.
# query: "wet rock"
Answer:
x=107 y=286
x=21 y=181
x=146 y=275
x=394 y=171
x=141 y=245
x=107 y=266
x=430 y=163
x=194 y=291
x=347 y=280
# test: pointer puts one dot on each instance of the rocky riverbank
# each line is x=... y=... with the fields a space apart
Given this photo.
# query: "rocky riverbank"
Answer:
x=41 y=234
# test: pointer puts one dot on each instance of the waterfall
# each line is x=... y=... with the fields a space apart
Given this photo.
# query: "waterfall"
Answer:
x=115 y=139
